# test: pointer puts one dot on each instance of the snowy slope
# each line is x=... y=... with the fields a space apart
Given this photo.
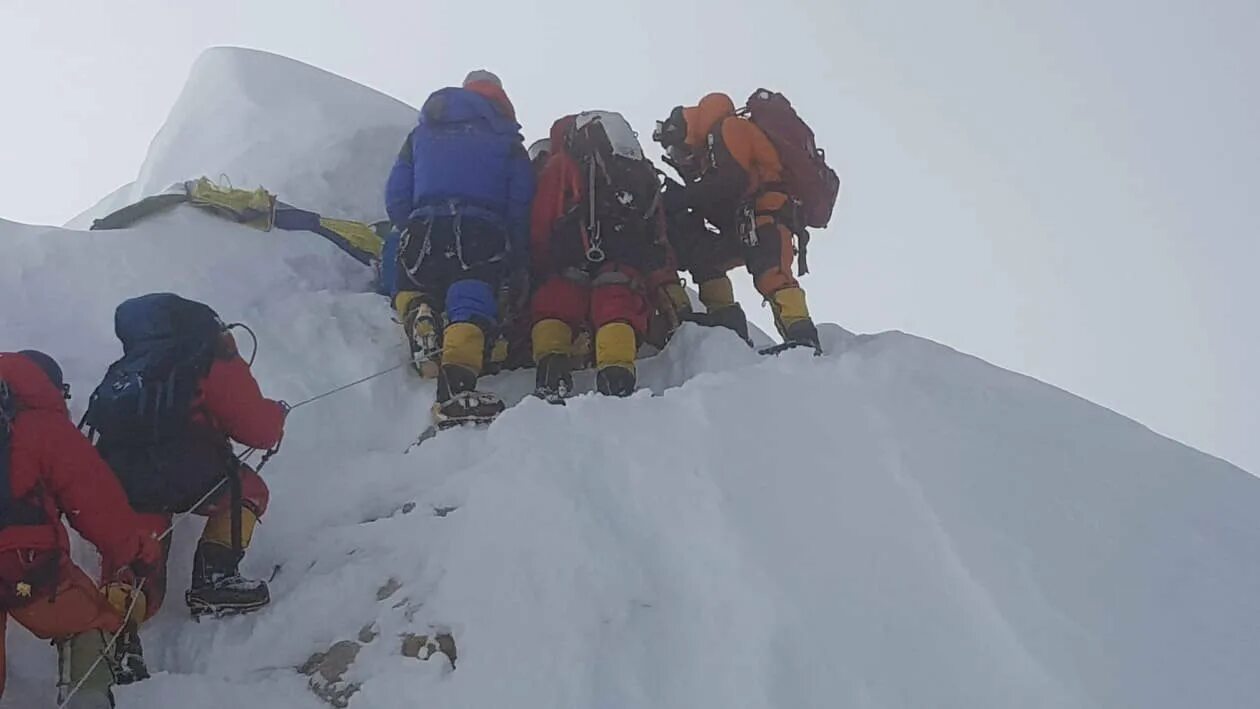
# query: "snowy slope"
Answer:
x=894 y=525
x=315 y=139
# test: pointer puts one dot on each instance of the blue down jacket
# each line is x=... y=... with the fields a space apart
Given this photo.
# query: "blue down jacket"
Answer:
x=469 y=151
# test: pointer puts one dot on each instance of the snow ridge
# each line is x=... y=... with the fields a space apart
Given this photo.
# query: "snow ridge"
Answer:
x=893 y=525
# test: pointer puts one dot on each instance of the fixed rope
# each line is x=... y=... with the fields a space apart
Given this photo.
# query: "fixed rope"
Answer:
x=344 y=387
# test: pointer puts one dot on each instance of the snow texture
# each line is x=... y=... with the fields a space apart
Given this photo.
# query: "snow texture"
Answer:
x=253 y=119
x=892 y=525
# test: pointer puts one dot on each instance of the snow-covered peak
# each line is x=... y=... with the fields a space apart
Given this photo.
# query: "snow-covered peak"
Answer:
x=316 y=139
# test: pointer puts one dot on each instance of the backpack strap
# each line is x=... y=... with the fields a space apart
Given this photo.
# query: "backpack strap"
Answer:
x=722 y=167
x=8 y=414
x=14 y=512
x=713 y=140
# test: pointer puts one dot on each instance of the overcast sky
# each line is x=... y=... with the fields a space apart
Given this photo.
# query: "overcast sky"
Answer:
x=1068 y=189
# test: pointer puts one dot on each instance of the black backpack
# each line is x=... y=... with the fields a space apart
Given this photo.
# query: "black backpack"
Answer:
x=622 y=188
x=13 y=512
x=142 y=411
x=8 y=414
x=21 y=580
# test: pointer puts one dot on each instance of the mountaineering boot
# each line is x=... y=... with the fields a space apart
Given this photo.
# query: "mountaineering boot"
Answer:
x=733 y=318
x=552 y=342
x=554 y=382
x=463 y=356
x=717 y=293
x=217 y=585
x=673 y=308
x=424 y=336
x=615 y=381
x=615 y=347
x=718 y=297
x=77 y=659
x=454 y=379
x=791 y=317
x=676 y=300
x=459 y=402
x=467 y=408
x=129 y=665
x=802 y=333
x=128 y=656
x=730 y=317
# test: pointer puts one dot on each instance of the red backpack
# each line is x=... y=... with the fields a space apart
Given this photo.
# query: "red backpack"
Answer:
x=806 y=175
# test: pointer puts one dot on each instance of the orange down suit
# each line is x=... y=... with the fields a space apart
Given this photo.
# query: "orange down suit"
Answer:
x=741 y=164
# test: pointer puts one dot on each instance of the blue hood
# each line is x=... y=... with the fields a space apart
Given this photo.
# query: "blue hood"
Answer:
x=456 y=105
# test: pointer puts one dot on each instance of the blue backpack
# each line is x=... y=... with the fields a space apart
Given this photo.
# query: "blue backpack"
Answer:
x=168 y=346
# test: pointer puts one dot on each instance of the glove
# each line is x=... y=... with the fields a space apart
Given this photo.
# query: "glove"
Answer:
x=146 y=557
x=674 y=199
x=673 y=130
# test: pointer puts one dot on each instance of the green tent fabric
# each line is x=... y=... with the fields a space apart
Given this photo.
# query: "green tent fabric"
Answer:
x=133 y=213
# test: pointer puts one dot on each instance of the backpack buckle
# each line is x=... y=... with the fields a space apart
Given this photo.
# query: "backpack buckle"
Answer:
x=595 y=245
x=747 y=221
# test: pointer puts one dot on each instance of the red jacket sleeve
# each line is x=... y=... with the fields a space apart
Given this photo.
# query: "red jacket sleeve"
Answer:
x=559 y=187
x=235 y=404
x=86 y=490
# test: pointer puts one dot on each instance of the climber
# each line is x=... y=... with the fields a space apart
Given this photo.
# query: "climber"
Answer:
x=734 y=178
x=539 y=154
x=460 y=193
x=599 y=253
x=47 y=470
x=166 y=415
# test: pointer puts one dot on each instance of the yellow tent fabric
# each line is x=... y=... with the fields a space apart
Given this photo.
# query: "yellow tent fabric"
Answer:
x=358 y=235
x=255 y=208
